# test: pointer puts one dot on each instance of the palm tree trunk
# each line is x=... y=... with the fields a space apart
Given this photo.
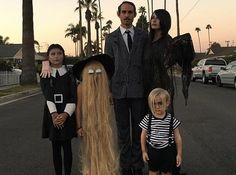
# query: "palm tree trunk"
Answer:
x=88 y=17
x=97 y=36
x=100 y=20
x=80 y=30
x=209 y=38
x=199 y=42
x=28 y=75
x=177 y=15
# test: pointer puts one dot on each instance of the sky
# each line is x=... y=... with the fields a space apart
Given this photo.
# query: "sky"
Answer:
x=51 y=19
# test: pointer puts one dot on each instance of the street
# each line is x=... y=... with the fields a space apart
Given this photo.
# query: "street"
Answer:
x=208 y=129
x=208 y=132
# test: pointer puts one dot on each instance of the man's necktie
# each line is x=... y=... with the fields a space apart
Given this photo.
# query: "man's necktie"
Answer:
x=129 y=39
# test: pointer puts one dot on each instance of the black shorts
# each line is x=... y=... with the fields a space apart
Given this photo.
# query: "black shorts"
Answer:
x=161 y=159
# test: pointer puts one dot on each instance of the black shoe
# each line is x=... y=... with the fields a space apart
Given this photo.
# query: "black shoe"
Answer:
x=126 y=171
x=138 y=172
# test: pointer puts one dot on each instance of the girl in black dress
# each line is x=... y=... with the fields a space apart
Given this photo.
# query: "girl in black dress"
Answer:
x=59 y=123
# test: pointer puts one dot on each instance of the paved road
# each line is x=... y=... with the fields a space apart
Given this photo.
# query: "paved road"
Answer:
x=22 y=151
x=208 y=129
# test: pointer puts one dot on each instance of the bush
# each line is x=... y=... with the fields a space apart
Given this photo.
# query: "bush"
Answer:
x=5 y=66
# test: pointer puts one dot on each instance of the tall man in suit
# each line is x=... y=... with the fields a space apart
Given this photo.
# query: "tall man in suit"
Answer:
x=127 y=46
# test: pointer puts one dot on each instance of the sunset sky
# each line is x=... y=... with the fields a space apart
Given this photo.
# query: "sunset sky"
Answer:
x=51 y=18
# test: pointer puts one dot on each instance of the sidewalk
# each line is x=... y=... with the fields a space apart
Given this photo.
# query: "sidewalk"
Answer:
x=12 y=97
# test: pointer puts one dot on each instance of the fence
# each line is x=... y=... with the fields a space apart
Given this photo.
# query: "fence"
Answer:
x=9 y=78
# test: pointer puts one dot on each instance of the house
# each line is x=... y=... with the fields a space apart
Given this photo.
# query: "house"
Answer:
x=13 y=53
x=215 y=51
x=222 y=51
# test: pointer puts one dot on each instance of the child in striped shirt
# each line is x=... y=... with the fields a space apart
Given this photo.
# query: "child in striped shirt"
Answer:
x=160 y=131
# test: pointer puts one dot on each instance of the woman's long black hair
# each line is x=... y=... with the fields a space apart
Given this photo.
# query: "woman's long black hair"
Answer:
x=165 y=22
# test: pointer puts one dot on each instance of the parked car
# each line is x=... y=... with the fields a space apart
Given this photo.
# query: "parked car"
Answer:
x=227 y=75
x=208 y=68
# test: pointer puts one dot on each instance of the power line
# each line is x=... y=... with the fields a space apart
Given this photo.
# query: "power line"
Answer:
x=190 y=10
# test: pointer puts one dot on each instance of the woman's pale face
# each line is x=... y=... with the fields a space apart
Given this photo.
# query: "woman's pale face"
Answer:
x=155 y=22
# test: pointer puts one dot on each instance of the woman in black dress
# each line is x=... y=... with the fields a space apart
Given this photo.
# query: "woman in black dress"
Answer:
x=59 y=123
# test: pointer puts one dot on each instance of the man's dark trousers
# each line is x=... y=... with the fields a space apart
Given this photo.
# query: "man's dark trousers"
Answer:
x=127 y=110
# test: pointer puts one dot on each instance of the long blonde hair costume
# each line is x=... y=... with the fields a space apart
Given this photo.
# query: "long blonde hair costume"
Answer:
x=99 y=145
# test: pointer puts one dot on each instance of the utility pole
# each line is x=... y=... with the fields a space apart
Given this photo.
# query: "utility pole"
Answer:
x=227 y=42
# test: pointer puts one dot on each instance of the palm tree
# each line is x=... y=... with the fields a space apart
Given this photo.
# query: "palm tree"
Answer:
x=177 y=15
x=4 y=40
x=88 y=15
x=108 y=25
x=80 y=27
x=100 y=21
x=95 y=18
x=208 y=27
x=198 y=30
x=71 y=32
x=28 y=75
x=143 y=11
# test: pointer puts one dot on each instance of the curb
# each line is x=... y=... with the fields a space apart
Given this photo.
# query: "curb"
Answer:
x=18 y=95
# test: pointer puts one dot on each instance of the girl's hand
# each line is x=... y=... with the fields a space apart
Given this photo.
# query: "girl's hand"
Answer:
x=145 y=157
x=56 y=121
x=46 y=69
x=178 y=160
x=62 y=118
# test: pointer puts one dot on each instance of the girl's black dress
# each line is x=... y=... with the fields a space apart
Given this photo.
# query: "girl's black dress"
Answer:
x=61 y=91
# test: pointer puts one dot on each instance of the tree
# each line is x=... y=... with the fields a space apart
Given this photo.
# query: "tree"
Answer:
x=73 y=31
x=142 y=20
x=80 y=27
x=208 y=27
x=177 y=16
x=28 y=75
x=88 y=15
x=95 y=19
x=198 y=30
x=108 y=25
x=4 y=40
x=100 y=20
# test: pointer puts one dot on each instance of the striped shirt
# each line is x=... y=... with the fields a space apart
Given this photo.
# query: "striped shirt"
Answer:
x=159 y=130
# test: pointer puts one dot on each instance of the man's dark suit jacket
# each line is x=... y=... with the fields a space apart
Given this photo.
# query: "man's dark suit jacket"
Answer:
x=127 y=81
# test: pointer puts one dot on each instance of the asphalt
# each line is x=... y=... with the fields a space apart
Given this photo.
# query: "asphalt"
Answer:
x=13 y=97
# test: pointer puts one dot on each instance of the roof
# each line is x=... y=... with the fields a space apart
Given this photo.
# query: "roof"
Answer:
x=222 y=51
x=9 y=50
x=14 y=51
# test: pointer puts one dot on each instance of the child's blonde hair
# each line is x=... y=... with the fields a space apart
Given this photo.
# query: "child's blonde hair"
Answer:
x=154 y=93
x=100 y=151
